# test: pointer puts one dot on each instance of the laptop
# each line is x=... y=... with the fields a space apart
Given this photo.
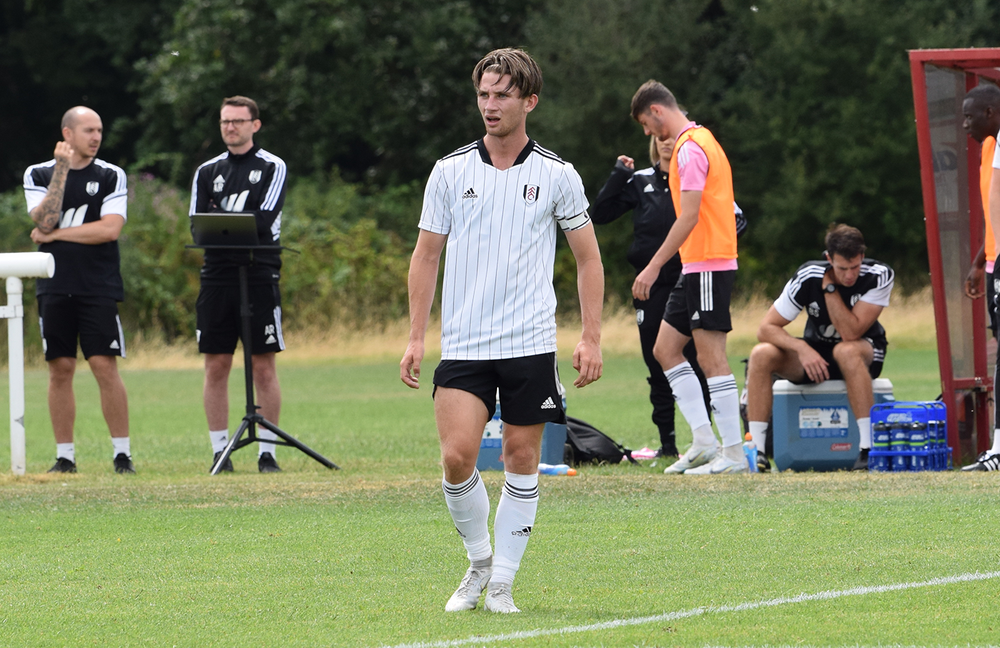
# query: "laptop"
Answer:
x=224 y=229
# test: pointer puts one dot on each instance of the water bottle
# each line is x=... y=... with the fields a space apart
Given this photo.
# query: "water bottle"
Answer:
x=557 y=469
x=750 y=450
x=880 y=442
x=899 y=443
x=918 y=443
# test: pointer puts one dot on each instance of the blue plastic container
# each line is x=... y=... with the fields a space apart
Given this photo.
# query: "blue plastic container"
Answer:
x=926 y=430
x=814 y=427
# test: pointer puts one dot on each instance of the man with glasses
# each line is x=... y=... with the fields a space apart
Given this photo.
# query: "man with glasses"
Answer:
x=245 y=179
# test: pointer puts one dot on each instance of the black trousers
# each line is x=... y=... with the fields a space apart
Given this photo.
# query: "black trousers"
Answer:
x=660 y=394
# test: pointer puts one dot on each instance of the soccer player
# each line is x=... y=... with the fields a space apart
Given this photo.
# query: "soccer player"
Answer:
x=79 y=205
x=843 y=340
x=981 y=120
x=496 y=205
x=701 y=186
x=246 y=179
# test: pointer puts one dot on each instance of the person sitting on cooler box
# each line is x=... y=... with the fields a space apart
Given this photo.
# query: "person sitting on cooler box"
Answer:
x=843 y=340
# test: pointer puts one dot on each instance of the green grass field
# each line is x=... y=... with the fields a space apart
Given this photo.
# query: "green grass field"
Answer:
x=367 y=556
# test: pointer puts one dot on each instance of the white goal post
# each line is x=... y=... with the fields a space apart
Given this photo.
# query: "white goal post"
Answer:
x=13 y=267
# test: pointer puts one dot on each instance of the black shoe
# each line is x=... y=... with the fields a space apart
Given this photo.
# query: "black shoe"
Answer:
x=267 y=464
x=226 y=467
x=123 y=465
x=664 y=451
x=63 y=465
x=862 y=461
x=763 y=465
x=985 y=461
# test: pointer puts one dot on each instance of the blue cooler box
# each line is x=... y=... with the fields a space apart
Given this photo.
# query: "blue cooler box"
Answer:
x=814 y=427
x=491 y=447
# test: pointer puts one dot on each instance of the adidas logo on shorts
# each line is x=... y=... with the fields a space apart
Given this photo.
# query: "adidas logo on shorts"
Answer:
x=548 y=404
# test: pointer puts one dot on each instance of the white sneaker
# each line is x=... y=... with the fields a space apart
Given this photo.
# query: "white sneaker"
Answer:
x=466 y=597
x=691 y=459
x=499 y=600
x=719 y=465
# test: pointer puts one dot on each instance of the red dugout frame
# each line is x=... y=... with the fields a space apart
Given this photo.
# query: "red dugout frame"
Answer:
x=953 y=216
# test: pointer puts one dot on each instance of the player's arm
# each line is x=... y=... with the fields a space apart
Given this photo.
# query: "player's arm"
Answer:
x=421 y=283
x=851 y=323
x=46 y=214
x=273 y=201
x=686 y=222
x=974 y=280
x=772 y=330
x=93 y=233
x=590 y=284
x=614 y=198
x=995 y=201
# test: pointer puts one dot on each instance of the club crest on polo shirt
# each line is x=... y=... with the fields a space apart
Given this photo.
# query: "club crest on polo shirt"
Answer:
x=93 y=187
x=530 y=193
x=255 y=176
x=218 y=183
x=813 y=309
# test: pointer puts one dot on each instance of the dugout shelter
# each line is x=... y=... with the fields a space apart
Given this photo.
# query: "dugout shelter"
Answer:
x=953 y=216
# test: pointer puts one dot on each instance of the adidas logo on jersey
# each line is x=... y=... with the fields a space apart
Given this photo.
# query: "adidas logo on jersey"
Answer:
x=648 y=189
x=548 y=404
x=469 y=193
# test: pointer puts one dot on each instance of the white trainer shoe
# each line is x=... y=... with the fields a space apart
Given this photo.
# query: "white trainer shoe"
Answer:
x=499 y=600
x=466 y=597
x=719 y=465
x=691 y=459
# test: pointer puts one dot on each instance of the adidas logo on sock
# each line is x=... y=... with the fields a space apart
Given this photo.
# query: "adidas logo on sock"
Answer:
x=548 y=404
x=524 y=533
x=469 y=193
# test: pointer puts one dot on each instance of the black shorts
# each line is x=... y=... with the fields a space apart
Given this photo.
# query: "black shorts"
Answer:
x=219 y=325
x=701 y=300
x=825 y=349
x=94 y=320
x=530 y=391
x=991 y=299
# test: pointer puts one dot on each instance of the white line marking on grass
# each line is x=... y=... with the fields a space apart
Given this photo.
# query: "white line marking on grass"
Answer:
x=672 y=616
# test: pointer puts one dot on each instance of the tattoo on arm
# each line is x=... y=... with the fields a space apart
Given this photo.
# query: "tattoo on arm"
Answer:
x=46 y=215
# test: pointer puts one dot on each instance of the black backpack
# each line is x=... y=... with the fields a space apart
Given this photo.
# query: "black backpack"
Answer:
x=587 y=444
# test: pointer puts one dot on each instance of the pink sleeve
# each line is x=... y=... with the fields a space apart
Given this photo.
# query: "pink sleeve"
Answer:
x=692 y=166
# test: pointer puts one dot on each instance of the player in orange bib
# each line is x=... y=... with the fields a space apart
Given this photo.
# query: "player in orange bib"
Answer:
x=701 y=184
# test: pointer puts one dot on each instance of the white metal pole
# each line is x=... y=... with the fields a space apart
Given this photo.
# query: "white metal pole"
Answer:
x=15 y=368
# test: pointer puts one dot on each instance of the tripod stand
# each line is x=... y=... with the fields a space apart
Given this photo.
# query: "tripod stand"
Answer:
x=253 y=418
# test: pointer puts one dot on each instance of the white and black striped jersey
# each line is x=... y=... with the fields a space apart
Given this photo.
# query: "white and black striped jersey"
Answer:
x=498 y=301
x=805 y=290
x=253 y=182
x=92 y=192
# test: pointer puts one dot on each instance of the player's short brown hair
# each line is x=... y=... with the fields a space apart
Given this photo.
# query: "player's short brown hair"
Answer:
x=246 y=102
x=649 y=93
x=844 y=240
x=525 y=74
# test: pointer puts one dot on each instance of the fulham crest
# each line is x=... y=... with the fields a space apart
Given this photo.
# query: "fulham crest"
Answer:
x=530 y=194
x=255 y=176
x=93 y=187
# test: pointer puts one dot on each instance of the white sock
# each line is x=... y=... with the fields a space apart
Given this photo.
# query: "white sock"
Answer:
x=121 y=445
x=264 y=433
x=725 y=399
x=865 y=429
x=687 y=392
x=219 y=439
x=758 y=434
x=66 y=451
x=469 y=506
x=512 y=525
